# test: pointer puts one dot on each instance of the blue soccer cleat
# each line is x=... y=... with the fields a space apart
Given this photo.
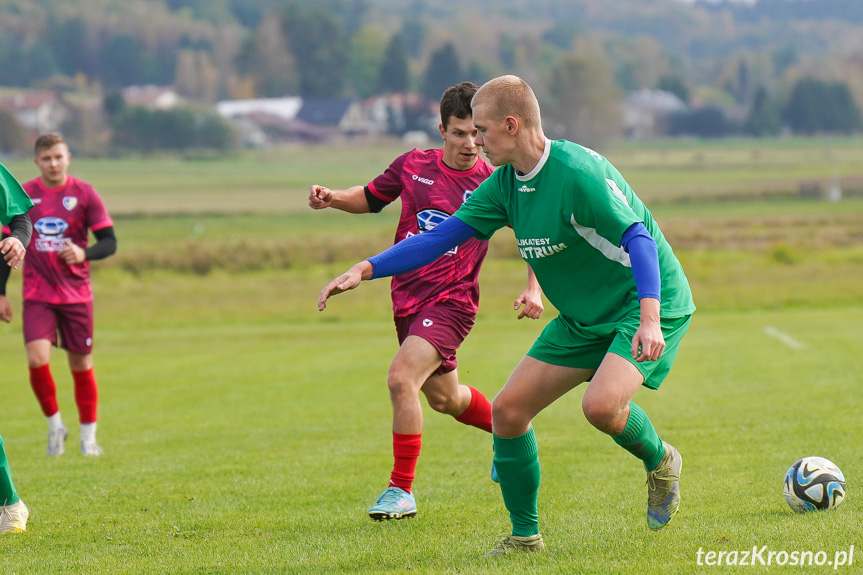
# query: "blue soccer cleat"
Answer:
x=394 y=503
x=663 y=489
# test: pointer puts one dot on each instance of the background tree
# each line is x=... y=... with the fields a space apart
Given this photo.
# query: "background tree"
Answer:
x=763 y=118
x=215 y=133
x=364 y=64
x=817 y=106
x=507 y=51
x=320 y=49
x=124 y=61
x=113 y=103
x=561 y=35
x=197 y=76
x=584 y=103
x=68 y=42
x=13 y=136
x=413 y=33
x=444 y=70
x=394 y=73
x=705 y=122
x=280 y=76
x=675 y=84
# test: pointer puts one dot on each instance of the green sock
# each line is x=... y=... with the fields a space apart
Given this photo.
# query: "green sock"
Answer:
x=517 y=462
x=639 y=437
x=8 y=495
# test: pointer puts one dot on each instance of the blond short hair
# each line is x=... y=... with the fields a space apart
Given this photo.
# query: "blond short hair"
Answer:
x=47 y=141
x=510 y=96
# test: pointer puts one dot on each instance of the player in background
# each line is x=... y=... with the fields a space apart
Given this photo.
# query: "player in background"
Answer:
x=14 y=204
x=57 y=292
x=435 y=306
x=603 y=263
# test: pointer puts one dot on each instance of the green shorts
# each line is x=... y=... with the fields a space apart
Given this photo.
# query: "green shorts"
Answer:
x=568 y=343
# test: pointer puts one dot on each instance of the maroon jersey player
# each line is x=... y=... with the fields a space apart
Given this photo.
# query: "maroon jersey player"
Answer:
x=56 y=281
x=435 y=306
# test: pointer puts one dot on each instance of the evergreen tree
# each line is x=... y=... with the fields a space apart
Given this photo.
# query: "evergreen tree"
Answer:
x=68 y=42
x=763 y=118
x=394 y=75
x=320 y=49
x=675 y=84
x=444 y=70
x=816 y=106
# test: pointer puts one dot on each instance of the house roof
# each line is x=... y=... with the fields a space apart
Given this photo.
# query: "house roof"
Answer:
x=325 y=112
x=28 y=100
x=286 y=108
x=655 y=101
x=150 y=96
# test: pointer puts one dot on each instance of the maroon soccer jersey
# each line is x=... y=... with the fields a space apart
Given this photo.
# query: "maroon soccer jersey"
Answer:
x=431 y=192
x=60 y=214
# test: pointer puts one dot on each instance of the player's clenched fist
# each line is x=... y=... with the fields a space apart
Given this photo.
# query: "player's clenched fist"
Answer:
x=320 y=197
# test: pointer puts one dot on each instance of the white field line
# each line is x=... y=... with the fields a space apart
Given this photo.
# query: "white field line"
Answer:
x=783 y=337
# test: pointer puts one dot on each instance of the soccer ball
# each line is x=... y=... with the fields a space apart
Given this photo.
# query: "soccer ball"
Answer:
x=814 y=483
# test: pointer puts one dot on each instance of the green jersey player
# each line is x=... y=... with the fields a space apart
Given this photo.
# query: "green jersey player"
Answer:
x=14 y=204
x=602 y=261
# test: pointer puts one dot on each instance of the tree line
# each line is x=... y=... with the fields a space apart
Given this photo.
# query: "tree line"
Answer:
x=223 y=49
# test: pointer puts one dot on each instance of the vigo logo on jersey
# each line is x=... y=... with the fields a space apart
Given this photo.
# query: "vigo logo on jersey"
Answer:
x=535 y=248
x=422 y=180
x=51 y=230
x=69 y=202
x=427 y=219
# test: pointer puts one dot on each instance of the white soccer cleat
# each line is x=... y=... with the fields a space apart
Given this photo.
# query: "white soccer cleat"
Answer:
x=513 y=543
x=13 y=518
x=91 y=449
x=56 y=438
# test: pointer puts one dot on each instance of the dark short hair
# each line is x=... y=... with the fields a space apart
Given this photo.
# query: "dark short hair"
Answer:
x=455 y=102
x=47 y=141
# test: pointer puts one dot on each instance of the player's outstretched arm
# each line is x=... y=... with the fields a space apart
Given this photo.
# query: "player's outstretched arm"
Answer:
x=530 y=298
x=347 y=281
x=352 y=200
x=409 y=254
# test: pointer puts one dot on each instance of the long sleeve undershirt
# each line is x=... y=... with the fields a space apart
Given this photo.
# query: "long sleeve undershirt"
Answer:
x=422 y=249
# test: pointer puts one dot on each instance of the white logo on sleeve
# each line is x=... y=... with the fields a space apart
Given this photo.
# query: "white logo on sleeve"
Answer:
x=427 y=323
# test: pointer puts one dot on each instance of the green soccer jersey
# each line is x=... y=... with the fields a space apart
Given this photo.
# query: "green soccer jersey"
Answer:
x=13 y=199
x=569 y=215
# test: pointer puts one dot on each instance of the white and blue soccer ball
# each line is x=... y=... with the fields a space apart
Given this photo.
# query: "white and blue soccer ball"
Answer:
x=814 y=483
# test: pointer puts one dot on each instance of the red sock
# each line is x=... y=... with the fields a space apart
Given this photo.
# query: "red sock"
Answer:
x=86 y=395
x=478 y=413
x=43 y=386
x=406 y=451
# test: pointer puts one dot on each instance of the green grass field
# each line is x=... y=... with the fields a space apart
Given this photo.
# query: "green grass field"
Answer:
x=245 y=432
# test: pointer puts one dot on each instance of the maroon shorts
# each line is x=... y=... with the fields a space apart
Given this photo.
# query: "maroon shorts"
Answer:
x=73 y=321
x=443 y=325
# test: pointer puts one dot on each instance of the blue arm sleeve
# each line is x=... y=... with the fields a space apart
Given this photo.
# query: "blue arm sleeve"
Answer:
x=644 y=257
x=422 y=249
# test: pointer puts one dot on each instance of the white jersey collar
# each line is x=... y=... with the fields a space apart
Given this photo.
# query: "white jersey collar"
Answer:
x=538 y=166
